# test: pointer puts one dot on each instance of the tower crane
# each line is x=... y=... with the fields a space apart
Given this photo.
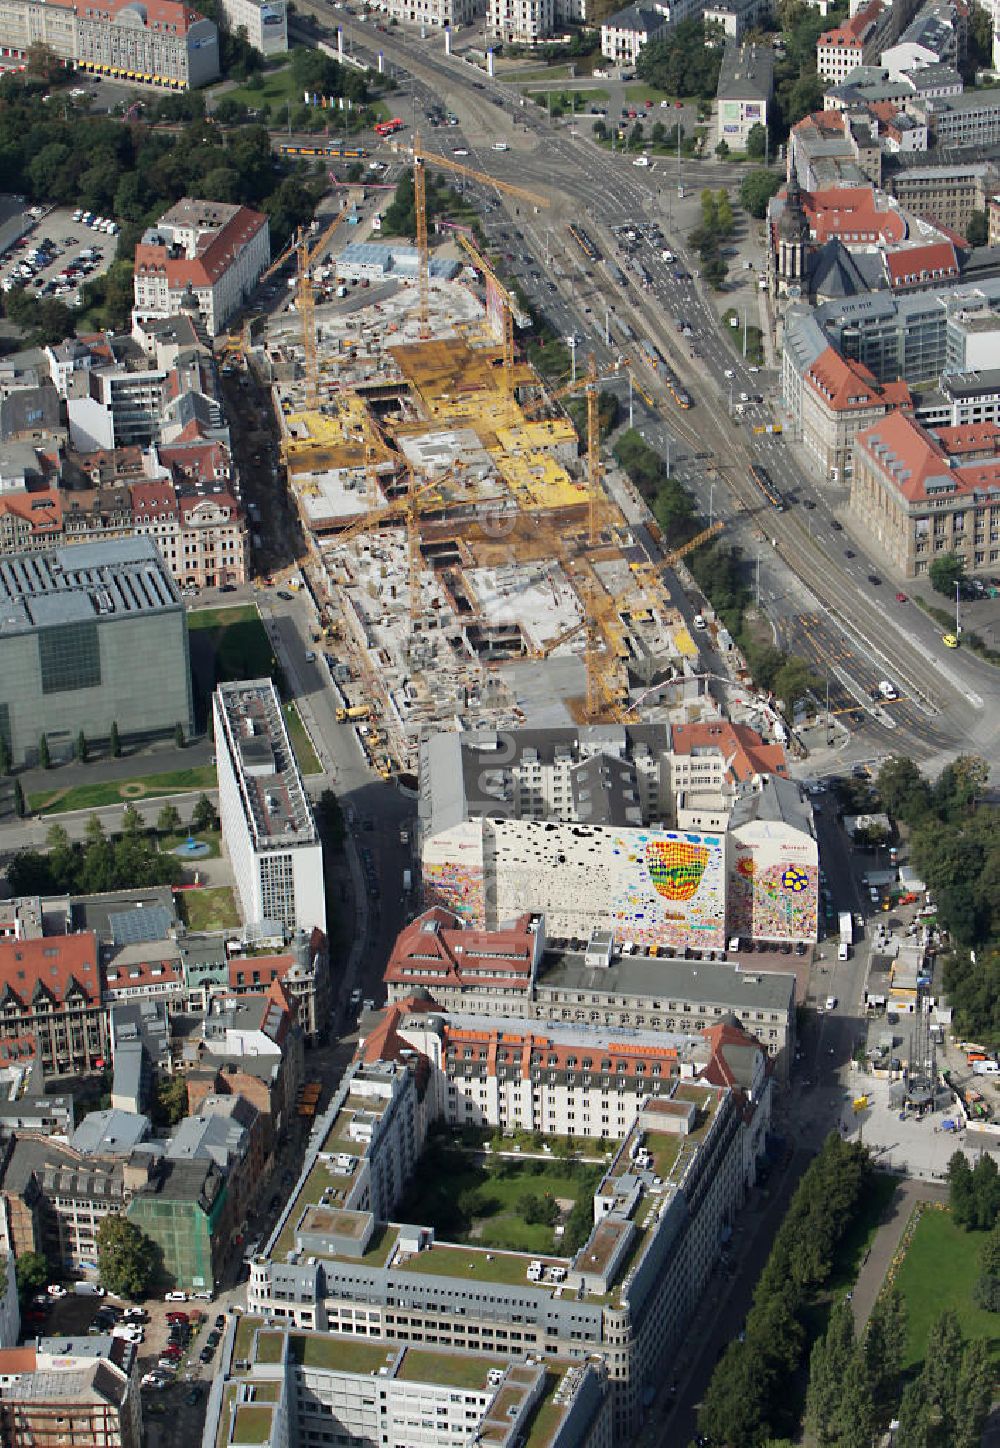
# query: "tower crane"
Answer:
x=507 y=308
x=306 y=301
x=422 y=159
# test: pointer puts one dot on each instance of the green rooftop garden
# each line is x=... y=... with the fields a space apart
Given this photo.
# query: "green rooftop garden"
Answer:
x=344 y=1354
x=460 y=1370
x=469 y=1262
x=253 y=1425
x=269 y=1347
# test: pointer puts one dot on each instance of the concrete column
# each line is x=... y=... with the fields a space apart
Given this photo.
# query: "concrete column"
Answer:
x=447 y=42
x=340 y=41
x=489 y=64
x=381 y=63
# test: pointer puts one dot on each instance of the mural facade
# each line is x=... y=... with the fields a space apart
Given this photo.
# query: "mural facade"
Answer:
x=774 y=885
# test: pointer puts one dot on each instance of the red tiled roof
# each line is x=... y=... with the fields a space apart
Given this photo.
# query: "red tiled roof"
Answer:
x=738 y=743
x=42 y=510
x=523 y=1049
x=851 y=214
x=852 y=32
x=845 y=384
x=971 y=437
x=18 y=1050
x=55 y=963
x=17 y=1360
x=140 y=975
x=205 y=269
x=267 y=968
x=916 y=265
x=435 y=949
x=153 y=500
x=916 y=463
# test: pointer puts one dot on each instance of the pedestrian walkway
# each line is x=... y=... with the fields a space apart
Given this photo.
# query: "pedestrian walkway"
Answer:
x=878 y=1258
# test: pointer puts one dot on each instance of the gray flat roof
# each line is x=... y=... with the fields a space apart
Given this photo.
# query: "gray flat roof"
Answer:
x=970 y=384
x=123 y=577
x=712 y=982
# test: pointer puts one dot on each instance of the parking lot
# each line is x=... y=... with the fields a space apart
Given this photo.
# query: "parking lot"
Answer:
x=60 y=272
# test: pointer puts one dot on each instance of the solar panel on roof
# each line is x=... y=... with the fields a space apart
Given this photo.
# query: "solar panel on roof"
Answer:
x=131 y=927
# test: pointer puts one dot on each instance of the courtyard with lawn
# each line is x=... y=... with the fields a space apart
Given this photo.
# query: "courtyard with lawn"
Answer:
x=939 y=1272
x=511 y=1203
x=227 y=644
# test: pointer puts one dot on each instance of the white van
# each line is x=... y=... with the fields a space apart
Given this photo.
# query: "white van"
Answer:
x=500 y=146
x=985 y=1068
x=887 y=690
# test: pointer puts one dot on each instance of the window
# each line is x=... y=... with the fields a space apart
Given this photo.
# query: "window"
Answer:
x=69 y=657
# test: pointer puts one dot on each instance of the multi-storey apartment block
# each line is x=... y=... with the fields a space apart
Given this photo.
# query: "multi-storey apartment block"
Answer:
x=204 y=256
x=160 y=43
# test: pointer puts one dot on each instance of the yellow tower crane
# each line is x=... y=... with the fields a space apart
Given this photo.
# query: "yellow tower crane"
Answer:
x=308 y=254
x=421 y=159
x=506 y=305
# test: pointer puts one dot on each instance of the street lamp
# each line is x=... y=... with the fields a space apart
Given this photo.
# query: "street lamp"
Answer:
x=711 y=502
x=758 y=578
x=571 y=344
x=958 y=622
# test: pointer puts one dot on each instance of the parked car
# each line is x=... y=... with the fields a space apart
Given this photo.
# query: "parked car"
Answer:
x=175 y=1297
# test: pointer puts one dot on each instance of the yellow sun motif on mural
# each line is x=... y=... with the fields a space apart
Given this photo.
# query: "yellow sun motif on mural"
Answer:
x=794 y=880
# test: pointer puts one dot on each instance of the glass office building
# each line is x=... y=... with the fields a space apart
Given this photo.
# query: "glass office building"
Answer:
x=90 y=635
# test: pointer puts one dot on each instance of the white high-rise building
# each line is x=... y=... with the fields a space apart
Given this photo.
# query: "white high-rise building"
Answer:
x=267 y=822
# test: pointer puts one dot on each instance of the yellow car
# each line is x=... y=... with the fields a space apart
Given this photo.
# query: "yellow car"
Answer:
x=949 y=641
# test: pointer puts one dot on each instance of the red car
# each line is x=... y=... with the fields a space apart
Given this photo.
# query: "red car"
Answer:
x=173 y=1352
x=177 y=1317
x=901 y=598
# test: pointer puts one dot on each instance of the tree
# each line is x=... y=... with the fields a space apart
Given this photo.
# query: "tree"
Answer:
x=81 y=750
x=43 y=64
x=882 y=1348
x=20 y=806
x=985 y=1193
x=179 y=739
x=685 y=62
x=115 y=743
x=44 y=759
x=793 y=681
x=168 y=821
x=961 y=1198
x=945 y=572
x=756 y=190
x=903 y=790
x=33 y=1274
x=756 y=142
x=831 y=1363
x=171 y=1101
x=203 y=815
x=977 y=230
x=126 y=1257
x=722 y=150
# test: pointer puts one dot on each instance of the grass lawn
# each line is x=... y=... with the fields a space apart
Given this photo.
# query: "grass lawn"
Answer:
x=468 y=1199
x=939 y=1271
x=253 y=1425
x=341 y=1353
x=301 y=743
x=640 y=94
x=213 y=909
x=464 y=1262
x=123 y=791
x=755 y=340
x=549 y=72
x=278 y=88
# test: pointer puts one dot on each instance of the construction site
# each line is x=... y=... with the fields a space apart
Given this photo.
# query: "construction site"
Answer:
x=467 y=559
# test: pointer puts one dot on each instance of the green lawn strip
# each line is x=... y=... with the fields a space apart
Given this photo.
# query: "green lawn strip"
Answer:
x=640 y=94
x=253 y=1424
x=123 y=791
x=860 y=1234
x=508 y=1232
x=213 y=909
x=301 y=743
x=240 y=642
x=755 y=340
x=939 y=1271
x=550 y=73
x=466 y=1262
x=224 y=617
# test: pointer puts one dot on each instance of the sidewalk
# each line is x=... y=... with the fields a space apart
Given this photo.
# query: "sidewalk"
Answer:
x=879 y=1256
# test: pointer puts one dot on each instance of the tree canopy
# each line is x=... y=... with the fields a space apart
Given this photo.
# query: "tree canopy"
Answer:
x=127 y=1259
x=685 y=62
x=92 y=865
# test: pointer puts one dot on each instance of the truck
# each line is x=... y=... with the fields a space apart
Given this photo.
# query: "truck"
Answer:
x=352 y=714
x=846 y=928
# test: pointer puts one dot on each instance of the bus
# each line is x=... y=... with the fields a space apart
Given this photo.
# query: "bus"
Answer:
x=388 y=128
x=765 y=483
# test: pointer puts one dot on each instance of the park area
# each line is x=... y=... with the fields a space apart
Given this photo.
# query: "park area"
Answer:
x=939 y=1272
x=226 y=644
x=513 y=1203
x=122 y=791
